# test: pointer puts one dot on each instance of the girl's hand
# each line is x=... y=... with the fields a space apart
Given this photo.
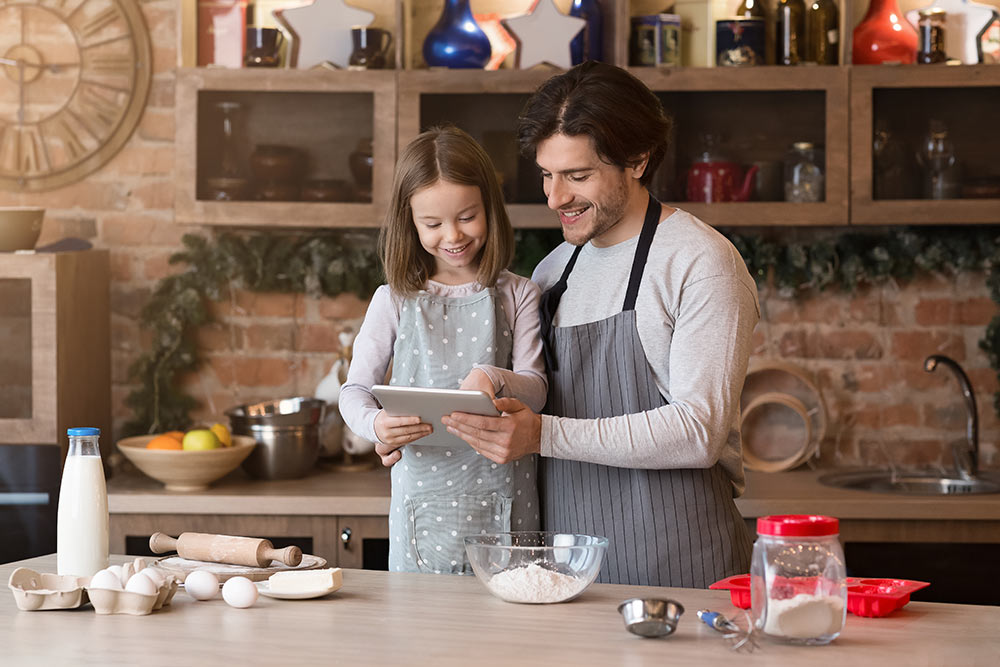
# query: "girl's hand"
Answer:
x=394 y=432
x=478 y=380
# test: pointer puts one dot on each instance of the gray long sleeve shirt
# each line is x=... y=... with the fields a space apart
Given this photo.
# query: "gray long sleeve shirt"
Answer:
x=695 y=313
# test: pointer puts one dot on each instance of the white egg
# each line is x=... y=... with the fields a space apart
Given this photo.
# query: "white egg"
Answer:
x=106 y=579
x=140 y=584
x=239 y=592
x=155 y=575
x=117 y=570
x=202 y=585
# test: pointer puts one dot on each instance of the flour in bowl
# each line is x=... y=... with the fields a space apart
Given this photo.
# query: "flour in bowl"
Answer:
x=535 y=584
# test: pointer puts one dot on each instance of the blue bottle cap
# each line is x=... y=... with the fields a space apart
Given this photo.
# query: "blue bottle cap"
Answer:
x=83 y=430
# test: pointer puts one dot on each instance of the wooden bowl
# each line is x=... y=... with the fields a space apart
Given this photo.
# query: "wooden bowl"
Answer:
x=20 y=227
x=183 y=470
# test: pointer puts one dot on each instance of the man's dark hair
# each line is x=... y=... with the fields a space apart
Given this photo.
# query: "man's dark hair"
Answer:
x=623 y=117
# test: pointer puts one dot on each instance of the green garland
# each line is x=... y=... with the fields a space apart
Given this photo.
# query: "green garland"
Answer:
x=330 y=263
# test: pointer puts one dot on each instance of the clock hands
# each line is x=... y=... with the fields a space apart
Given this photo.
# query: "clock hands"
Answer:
x=51 y=67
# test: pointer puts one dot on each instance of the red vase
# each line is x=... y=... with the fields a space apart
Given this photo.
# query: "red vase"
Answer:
x=884 y=36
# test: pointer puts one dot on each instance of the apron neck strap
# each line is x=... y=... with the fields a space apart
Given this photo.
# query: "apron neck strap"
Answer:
x=642 y=252
x=549 y=302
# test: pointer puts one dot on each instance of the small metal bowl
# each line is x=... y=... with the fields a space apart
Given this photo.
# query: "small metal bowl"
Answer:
x=650 y=617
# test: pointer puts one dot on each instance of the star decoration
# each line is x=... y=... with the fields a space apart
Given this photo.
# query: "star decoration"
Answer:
x=321 y=32
x=543 y=36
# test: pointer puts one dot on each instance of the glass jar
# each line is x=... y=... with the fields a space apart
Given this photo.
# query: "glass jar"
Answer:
x=798 y=591
x=942 y=173
x=930 y=32
x=803 y=174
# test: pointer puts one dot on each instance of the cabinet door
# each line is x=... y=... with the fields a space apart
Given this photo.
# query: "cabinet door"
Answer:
x=364 y=542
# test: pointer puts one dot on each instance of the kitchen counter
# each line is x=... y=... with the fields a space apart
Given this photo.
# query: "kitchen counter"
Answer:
x=326 y=492
x=381 y=618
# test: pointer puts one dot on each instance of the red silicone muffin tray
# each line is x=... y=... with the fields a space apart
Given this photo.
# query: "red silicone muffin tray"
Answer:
x=865 y=597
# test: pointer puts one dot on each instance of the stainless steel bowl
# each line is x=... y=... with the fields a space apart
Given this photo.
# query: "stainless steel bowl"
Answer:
x=650 y=617
x=287 y=435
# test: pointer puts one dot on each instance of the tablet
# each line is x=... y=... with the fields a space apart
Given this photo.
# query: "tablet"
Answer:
x=432 y=404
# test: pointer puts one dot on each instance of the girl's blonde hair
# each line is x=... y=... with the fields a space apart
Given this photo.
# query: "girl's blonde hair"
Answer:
x=442 y=154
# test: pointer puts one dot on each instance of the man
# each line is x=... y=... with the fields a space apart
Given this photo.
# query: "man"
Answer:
x=647 y=316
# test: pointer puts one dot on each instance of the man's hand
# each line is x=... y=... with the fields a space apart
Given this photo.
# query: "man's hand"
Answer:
x=394 y=432
x=500 y=439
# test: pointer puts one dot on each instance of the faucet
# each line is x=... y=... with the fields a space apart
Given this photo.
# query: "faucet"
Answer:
x=967 y=458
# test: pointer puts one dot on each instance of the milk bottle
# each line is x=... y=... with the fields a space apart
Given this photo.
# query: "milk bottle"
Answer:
x=82 y=529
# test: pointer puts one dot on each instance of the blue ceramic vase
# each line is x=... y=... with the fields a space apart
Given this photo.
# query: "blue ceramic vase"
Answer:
x=586 y=45
x=456 y=40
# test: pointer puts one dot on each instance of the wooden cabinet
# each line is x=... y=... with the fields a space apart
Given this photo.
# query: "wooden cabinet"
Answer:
x=55 y=363
x=759 y=112
x=324 y=116
x=903 y=101
x=320 y=535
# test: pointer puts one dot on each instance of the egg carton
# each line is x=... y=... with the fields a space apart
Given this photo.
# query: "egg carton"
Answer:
x=117 y=601
x=39 y=591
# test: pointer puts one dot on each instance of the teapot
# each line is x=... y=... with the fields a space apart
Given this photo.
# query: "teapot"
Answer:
x=714 y=178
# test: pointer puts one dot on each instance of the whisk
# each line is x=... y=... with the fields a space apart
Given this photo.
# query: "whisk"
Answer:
x=740 y=638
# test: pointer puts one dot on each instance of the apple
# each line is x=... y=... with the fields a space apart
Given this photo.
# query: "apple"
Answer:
x=200 y=438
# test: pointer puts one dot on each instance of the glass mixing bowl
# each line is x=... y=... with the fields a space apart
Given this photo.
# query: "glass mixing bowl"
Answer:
x=536 y=567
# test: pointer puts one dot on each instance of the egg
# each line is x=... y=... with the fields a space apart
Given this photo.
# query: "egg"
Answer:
x=106 y=579
x=140 y=584
x=239 y=592
x=202 y=585
x=117 y=571
x=153 y=574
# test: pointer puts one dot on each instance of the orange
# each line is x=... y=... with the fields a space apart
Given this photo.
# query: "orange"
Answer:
x=163 y=442
x=176 y=435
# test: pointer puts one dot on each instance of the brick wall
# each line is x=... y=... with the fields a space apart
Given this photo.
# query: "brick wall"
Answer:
x=866 y=349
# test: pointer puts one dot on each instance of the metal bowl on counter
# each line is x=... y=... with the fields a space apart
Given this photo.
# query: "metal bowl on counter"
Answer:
x=536 y=567
x=287 y=435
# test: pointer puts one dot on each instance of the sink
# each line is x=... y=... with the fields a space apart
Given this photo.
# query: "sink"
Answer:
x=909 y=483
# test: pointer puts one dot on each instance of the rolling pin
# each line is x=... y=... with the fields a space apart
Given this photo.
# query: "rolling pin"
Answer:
x=251 y=551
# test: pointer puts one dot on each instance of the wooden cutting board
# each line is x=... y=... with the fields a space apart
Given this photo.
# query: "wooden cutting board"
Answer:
x=183 y=566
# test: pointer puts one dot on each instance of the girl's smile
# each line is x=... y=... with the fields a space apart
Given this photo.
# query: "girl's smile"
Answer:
x=451 y=225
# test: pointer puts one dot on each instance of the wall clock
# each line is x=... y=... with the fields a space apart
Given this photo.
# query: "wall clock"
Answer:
x=74 y=76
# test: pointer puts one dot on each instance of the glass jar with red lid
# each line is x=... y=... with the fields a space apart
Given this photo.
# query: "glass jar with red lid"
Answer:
x=798 y=588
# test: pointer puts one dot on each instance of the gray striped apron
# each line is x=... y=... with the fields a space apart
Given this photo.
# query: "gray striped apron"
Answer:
x=665 y=527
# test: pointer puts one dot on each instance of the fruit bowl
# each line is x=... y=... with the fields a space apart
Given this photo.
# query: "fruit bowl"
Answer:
x=20 y=227
x=536 y=567
x=182 y=470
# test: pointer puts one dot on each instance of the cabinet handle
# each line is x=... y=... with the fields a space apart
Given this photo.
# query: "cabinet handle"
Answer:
x=345 y=537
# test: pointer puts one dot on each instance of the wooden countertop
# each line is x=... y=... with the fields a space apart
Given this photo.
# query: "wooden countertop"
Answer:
x=326 y=492
x=381 y=618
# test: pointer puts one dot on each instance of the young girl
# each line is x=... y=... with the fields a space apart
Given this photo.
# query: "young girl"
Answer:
x=450 y=316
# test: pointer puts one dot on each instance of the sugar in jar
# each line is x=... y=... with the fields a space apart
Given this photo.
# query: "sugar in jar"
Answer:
x=797 y=579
